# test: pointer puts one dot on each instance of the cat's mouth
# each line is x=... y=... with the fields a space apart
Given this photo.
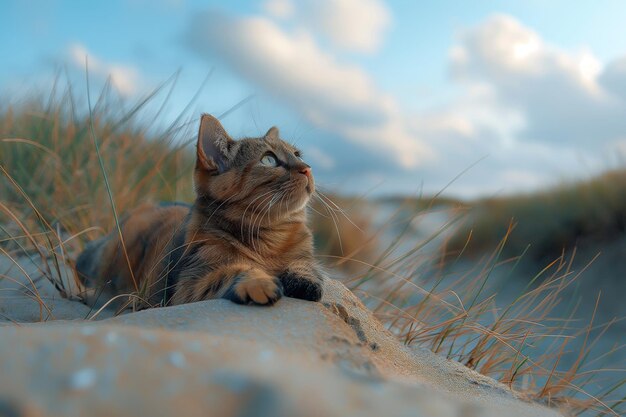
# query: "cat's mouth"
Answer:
x=310 y=186
x=305 y=187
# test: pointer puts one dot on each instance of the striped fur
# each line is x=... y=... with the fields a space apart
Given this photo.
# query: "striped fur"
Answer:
x=245 y=237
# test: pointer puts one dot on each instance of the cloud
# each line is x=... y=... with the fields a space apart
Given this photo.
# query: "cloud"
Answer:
x=355 y=25
x=561 y=97
x=331 y=94
x=124 y=78
x=282 y=9
x=613 y=78
x=539 y=113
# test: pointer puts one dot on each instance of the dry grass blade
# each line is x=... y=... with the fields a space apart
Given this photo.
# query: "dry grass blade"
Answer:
x=106 y=180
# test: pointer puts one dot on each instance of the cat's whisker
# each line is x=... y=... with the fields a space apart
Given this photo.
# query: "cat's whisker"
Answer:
x=287 y=201
x=259 y=212
x=243 y=216
x=216 y=210
x=332 y=215
x=250 y=229
x=339 y=209
x=318 y=212
x=287 y=197
x=329 y=200
x=265 y=212
x=280 y=206
x=259 y=216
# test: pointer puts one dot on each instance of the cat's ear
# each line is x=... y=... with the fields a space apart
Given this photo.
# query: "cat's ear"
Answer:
x=214 y=145
x=272 y=134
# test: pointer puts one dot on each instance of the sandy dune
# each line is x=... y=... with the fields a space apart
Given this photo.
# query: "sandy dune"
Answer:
x=216 y=358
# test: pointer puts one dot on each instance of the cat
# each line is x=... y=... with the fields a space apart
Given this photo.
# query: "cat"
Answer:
x=245 y=238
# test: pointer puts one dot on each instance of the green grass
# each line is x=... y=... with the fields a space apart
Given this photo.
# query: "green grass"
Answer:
x=55 y=199
x=564 y=217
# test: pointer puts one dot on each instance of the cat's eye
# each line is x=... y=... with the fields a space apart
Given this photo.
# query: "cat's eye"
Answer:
x=298 y=155
x=269 y=160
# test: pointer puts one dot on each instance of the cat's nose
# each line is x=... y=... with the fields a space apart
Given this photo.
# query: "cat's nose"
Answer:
x=306 y=171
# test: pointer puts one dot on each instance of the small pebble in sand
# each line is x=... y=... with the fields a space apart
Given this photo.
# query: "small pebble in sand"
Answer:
x=88 y=331
x=265 y=355
x=149 y=337
x=195 y=346
x=83 y=379
x=177 y=359
x=110 y=338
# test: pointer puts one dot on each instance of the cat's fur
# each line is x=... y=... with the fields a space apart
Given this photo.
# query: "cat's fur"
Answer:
x=244 y=239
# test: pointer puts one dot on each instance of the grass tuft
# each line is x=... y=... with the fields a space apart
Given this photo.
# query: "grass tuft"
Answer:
x=561 y=218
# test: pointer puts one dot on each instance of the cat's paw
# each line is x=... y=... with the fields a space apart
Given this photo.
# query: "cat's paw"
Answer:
x=298 y=286
x=254 y=287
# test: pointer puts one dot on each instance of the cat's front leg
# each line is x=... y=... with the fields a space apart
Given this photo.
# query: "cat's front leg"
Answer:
x=239 y=283
x=253 y=286
x=302 y=280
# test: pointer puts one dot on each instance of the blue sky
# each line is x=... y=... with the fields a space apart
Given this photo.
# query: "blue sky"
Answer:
x=383 y=97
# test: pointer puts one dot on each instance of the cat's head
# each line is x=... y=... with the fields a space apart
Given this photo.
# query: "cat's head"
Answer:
x=263 y=175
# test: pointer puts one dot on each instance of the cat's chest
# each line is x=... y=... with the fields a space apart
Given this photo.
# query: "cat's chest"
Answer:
x=272 y=250
x=277 y=249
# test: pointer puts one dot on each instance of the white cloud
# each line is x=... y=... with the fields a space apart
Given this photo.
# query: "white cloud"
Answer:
x=539 y=113
x=355 y=25
x=613 y=78
x=562 y=97
x=282 y=9
x=124 y=78
x=331 y=94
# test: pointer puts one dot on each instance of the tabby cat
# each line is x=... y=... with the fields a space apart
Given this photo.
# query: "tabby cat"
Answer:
x=244 y=239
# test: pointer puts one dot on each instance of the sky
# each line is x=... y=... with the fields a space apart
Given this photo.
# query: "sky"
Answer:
x=476 y=98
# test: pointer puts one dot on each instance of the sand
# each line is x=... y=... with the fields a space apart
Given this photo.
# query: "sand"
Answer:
x=216 y=358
